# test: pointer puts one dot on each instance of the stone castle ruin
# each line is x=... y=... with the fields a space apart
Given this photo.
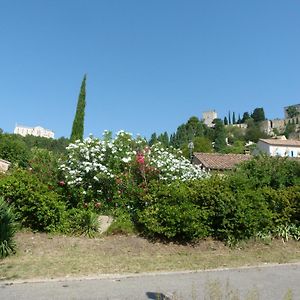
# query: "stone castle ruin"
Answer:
x=278 y=126
x=208 y=117
x=271 y=127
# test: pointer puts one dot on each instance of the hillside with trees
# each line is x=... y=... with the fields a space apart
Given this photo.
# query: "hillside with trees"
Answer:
x=225 y=136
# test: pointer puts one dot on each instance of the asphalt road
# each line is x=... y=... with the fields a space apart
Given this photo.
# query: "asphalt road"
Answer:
x=265 y=283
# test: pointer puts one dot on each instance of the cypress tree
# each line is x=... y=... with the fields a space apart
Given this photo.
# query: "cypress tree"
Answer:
x=225 y=121
x=233 y=118
x=78 y=123
x=239 y=119
x=229 y=118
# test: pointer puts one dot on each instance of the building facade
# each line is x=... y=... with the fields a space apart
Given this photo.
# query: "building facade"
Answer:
x=36 y=131
x=279 y=147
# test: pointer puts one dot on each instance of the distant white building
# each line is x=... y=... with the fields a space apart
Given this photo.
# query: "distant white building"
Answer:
x=36 y=131
x=208 y=117
x=279 y=147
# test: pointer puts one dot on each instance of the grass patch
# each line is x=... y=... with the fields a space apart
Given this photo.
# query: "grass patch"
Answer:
x=49 y=256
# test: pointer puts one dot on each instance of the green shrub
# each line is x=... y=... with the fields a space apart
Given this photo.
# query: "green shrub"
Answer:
x=212 y=206
x=44 y=165
x=89 y=223
x=81 y=221
x=122 y=223
x=36 y=205
x=8 y=229
x=274 y=172
x=13 y=149
x=170 y=213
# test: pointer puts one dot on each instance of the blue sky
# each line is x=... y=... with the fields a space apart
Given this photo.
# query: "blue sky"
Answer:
x=150 y=64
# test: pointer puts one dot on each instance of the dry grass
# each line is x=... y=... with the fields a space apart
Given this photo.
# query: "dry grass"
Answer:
x=45 y=256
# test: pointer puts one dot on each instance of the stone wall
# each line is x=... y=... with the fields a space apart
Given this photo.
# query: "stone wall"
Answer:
x=4 y=165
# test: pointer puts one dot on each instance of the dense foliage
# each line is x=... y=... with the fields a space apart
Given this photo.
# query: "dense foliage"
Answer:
x=36 y=205
x=255 y=199
x=153 y=190
x=14 y=149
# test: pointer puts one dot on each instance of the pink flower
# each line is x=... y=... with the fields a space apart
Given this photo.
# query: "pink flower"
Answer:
x=61 y=183
x=140 y=158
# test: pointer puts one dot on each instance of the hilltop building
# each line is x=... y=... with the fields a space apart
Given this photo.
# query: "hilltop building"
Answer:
x=35 y=131
x=279 y=125
x=208 y=117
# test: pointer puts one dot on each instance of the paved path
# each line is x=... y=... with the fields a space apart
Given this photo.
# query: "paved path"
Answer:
x=265 y=283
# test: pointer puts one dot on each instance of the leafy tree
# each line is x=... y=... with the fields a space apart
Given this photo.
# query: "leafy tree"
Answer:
x=258 y=114
x=253 y=132
x=55 y=145
x=194 y=127
x=292 y=111
x=201 y=144
x=78 y=123
x=246 y=117
x=153 y=139
x=225 y=121
x=290 y=128
x=238 y=147
x=164 y=139
x=180 y=136
x=220 y=135
x=235 y=133
x=13 y=149
x=229 y=118
x=188 y=131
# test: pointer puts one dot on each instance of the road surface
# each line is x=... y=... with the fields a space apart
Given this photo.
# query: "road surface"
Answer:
x=270 y=282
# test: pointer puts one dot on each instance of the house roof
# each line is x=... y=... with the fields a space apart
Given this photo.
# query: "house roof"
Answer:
x=217 y=161
x=279 y=142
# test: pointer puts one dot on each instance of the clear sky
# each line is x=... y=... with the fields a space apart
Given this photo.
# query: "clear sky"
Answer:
x=150 y=64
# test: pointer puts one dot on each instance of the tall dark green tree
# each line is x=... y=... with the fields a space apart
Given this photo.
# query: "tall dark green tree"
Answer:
x=292 y=111
x=233 y=118
x=229 y=118
x=258 y=114
x=153 y=139
x=220 y=135
x=239 y=121
x=246 y=117
x=164 y=139
x=78 y=123
x=225 y=121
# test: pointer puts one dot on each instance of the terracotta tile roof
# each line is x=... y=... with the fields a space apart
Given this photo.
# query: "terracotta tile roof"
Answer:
x=278 y=142
x=217 y=161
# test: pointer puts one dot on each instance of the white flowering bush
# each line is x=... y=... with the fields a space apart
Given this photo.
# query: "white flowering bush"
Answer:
x=103 y=168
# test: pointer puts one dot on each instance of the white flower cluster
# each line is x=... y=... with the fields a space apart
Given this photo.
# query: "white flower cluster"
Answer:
x=91 y=161
x=86 y=161
x=172 y=165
